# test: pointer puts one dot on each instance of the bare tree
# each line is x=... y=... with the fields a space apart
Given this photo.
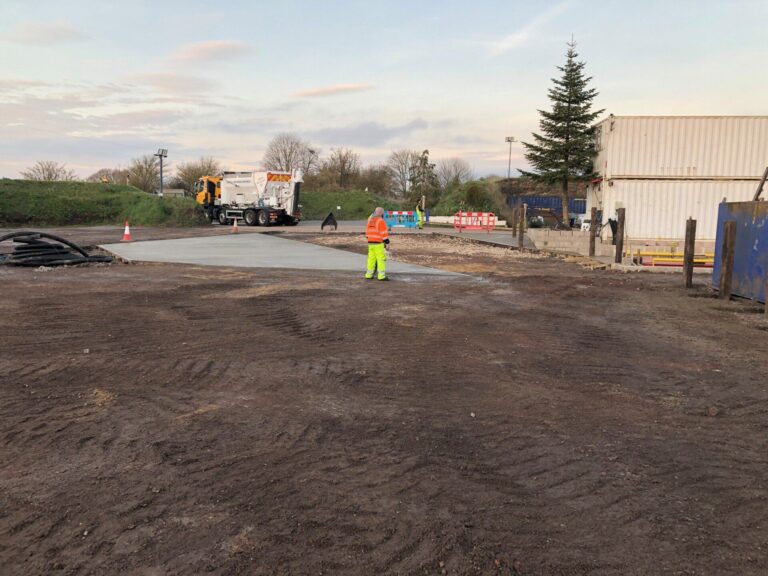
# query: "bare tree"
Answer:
x=343 y=165
x=376 y=178
x=453 y=170
x=144 y=173
x=109 y=176
x=400 y=164
x=48 y=171
x=187 y=173
x=287 y=152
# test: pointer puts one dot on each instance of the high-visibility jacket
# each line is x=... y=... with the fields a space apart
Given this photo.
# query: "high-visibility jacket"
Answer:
x=376 y=231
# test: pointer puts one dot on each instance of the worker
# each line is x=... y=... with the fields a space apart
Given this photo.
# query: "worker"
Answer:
x=420 y=212
x=378 y=243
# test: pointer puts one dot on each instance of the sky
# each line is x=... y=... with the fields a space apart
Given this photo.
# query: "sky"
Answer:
x=95 y=83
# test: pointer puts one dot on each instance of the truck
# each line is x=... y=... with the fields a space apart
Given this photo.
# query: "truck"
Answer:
x=256 y=198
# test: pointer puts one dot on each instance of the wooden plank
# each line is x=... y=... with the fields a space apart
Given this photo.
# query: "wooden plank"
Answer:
x=690 y=249
x=726 y=262
x=760 y=186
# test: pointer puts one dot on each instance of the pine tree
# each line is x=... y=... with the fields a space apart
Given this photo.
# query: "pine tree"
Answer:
x=566 y=148
x=423 y=181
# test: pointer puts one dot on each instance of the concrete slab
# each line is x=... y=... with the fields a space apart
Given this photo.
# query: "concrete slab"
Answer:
x=255 y=251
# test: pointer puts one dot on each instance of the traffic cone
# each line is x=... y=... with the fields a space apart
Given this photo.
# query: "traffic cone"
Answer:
x=234 y=226
x=127 y=233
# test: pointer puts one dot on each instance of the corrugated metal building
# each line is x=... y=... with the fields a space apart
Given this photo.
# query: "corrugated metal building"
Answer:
x=664 y=169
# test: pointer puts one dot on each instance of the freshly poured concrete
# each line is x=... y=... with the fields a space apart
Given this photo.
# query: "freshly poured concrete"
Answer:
x=255 y=251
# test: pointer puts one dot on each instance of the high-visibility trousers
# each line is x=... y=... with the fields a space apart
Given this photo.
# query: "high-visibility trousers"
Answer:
x=420 y=216
x=377 y=261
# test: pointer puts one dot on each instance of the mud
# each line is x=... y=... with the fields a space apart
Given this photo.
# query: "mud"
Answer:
x=537 y=418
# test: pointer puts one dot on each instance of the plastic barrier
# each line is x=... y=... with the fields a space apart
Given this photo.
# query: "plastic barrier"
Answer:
x=400 y=219
x=474 y=221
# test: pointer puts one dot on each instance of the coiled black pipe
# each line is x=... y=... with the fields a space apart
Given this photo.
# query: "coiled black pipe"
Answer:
x=31 y=250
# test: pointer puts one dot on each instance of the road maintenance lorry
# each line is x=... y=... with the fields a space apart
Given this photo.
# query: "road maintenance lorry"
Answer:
x=256 y=198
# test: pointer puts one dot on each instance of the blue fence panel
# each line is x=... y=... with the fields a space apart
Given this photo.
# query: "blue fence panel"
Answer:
x=750 y=263
x=400 y=219
x=553 y=203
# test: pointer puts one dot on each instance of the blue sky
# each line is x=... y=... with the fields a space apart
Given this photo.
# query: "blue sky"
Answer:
x=93 y=84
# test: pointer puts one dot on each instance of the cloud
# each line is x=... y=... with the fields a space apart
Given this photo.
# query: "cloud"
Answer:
x=367 y=134
x=41 y=33
x=213 y=50
x=332 y=90
x=527 y=33
x=183 y=86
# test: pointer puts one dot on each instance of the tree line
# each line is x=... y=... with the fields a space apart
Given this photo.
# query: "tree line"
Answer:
x=405 y=175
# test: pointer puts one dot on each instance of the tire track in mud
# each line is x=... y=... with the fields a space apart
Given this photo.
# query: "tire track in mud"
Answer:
x=455 y=430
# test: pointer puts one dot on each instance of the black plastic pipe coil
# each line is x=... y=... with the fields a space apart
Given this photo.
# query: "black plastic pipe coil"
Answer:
x=31 y=250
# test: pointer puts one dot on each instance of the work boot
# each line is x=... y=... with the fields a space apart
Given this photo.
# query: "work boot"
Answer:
x=383 y=279
x=369 y=277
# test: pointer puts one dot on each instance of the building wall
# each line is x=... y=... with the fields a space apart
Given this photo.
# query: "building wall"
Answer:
x=658 y=209
x=662 y=147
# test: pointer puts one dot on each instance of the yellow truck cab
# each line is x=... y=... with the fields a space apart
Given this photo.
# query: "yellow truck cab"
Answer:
x=207 y=191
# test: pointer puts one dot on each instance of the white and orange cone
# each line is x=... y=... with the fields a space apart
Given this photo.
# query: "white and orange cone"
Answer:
x=234 y=226
x=127 y=233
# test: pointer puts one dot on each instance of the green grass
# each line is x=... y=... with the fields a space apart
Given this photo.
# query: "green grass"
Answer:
x=25 y=203
x=355 y=204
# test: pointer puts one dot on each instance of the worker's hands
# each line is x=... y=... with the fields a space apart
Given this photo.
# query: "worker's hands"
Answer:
x=386 y=246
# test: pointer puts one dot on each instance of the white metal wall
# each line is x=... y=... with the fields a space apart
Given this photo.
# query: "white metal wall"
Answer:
x=658 y=209
x=727 y=147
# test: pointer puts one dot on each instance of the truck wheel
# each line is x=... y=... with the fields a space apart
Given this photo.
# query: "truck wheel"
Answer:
x=250 y=217
x=222 y=218
x=208 y=215
x=263 y=218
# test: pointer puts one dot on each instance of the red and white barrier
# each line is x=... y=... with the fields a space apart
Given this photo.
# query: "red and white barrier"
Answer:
x=474 y=221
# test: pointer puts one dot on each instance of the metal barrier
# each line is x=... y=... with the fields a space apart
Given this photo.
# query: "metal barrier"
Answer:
x=652 y=259
x=750 y=255
x=474 y=221
x=401 y=219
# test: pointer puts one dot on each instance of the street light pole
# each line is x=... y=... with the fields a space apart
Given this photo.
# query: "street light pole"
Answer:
x=163 y=153
x=510 y=139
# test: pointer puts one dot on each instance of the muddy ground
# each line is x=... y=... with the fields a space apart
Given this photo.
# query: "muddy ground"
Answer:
x=534 y=418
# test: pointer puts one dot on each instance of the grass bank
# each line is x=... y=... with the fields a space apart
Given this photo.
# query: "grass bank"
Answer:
x=25 y=203
x=355 y=204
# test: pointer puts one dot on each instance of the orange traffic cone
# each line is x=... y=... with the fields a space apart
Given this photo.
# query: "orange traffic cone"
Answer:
x=234 y=226
x=127 y=233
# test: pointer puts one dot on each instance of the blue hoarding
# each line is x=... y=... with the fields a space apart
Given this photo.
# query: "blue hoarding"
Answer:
x=750 y=263
x=553 y=203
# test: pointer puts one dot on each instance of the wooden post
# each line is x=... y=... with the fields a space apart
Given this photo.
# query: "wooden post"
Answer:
x=766 y=296
x=514 y=222
x=726 y=261
x=592 y=231
x=620 y=236
x=690 y=250
x=521 y=229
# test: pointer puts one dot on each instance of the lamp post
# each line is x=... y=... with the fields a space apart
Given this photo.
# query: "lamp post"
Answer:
x=163 y=153
x=510 y=139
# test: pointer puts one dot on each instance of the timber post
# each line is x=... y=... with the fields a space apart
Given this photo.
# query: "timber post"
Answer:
x=726 y=259
x=621 y=212
x=592 y=231
x=690 y=250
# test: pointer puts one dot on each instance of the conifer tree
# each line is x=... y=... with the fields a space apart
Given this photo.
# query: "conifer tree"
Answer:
x=565 y=149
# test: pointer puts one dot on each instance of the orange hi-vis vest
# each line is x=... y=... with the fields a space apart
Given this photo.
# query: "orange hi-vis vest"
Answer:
x=376 y=230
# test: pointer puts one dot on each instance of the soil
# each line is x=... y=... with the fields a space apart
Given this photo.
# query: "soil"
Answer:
x=532 y=418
